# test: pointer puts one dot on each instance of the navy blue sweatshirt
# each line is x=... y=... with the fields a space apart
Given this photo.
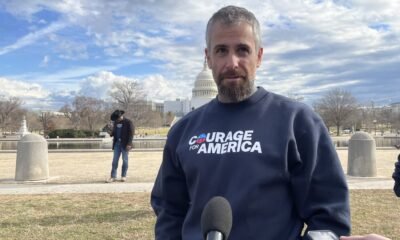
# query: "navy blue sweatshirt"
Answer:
x=269 y=156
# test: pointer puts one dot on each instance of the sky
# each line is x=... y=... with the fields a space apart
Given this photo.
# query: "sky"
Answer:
x=52 y=51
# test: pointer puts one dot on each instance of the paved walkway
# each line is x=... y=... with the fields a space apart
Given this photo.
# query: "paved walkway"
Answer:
x=118 y=187
x=41 y=188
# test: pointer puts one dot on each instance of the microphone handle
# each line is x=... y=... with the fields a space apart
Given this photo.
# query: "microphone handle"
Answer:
x=215 y=235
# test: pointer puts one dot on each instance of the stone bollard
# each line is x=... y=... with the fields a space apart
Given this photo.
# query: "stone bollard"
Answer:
x=32 y=159
x=361 y=155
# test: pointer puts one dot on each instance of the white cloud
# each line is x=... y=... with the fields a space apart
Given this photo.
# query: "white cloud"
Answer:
x=309 y=46
x=69 y=78
x=285 y=46
x=21 y=89
x=71 y=50
x=45 y=61
x=156 y=87
x=99 y=85
x=32 y=37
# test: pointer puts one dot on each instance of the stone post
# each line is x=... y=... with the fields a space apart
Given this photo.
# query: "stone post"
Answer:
x=32 y=158
x=361 y=155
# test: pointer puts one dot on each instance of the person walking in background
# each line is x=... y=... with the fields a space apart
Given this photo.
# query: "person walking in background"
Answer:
x=122 y=132
x=396 y=177
x=271 y=157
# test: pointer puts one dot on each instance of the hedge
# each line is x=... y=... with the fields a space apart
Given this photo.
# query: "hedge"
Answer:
x=72 y=133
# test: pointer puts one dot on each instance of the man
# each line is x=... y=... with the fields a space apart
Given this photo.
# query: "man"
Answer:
x=396 y=177
x=122 y=133
x=269 y=156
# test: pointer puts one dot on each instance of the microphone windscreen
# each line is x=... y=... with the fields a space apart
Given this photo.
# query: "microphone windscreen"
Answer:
x=217 y=216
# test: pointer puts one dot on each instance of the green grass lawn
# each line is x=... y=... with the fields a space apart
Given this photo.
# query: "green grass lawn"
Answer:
x=76 y=216
x=129 y=215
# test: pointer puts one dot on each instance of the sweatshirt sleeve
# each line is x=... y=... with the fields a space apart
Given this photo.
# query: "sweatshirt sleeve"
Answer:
x=318 y=183
x=169 y=197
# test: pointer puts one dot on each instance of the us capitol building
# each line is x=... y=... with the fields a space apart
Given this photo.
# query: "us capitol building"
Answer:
x=204 y=91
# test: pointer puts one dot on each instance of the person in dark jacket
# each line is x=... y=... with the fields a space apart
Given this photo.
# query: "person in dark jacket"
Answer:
x=271 y=157
x=396 y=177
x=122 y=133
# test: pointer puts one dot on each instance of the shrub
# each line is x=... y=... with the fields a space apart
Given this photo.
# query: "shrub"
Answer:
x=72 y=133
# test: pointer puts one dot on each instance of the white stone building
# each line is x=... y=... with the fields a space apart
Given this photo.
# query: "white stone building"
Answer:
x=204 y=89
x=179 y=107
x=395 y=107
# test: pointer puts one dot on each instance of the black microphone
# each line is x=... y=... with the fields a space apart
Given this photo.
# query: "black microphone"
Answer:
x=216 y=219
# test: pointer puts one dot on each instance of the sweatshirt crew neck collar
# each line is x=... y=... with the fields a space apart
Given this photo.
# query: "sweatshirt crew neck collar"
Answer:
x=255 y=97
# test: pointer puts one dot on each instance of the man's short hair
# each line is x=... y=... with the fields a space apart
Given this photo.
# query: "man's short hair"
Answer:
x=231 y=15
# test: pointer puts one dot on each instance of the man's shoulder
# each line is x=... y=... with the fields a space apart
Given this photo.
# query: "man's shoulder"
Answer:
x=128 y=122
x=188 y=119
x=289 y=103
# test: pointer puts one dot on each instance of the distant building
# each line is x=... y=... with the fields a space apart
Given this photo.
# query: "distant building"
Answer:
x=179 y=107
x=159 y=107
x=143 y=106
x=395 y=107
x=204 y=90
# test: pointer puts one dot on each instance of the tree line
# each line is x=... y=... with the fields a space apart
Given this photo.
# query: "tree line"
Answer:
x=338 y=108
x=84 y=112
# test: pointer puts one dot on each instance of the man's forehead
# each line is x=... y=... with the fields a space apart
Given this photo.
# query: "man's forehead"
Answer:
x=232 y=34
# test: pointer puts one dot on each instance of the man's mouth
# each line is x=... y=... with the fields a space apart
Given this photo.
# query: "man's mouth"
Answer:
x=232 y=78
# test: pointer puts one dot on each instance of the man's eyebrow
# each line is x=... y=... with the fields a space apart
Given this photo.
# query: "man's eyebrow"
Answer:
x=243 y=45
x=220 y=45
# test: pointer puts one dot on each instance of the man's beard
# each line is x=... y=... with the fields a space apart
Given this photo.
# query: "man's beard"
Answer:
x=235 y=92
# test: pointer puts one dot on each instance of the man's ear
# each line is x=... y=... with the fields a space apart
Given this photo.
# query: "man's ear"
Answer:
x=208 y=57
x=259 y=56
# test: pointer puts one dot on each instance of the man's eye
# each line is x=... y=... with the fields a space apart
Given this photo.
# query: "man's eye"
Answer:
x=220 y=51
x=243 y=50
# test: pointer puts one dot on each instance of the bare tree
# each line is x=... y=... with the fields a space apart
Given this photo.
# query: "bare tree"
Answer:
x=8 y=107
x=71 y=115
x=385 y=117
x=396 y=122
x=46 y=119
x=33 y=121
x=130 y=96
x=370 y=117
x=152 y=119
x=336 y=107
x=86 y=113
x=89 y=110
x=127 y=93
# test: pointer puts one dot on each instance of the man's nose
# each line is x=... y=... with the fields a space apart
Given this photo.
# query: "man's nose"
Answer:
x=232 y=61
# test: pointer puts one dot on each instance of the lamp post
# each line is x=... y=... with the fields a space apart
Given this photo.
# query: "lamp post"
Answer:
x=374 y=121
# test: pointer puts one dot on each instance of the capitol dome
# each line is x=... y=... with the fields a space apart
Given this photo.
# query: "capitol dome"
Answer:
x=204 y=89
